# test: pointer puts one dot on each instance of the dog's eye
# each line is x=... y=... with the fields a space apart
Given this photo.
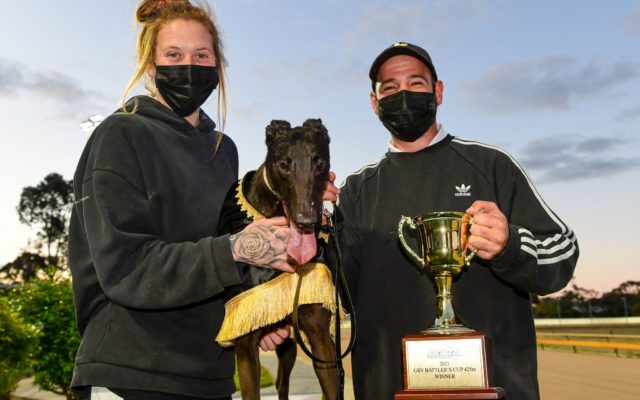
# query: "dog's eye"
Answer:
x=321 y=164
x=283 y=165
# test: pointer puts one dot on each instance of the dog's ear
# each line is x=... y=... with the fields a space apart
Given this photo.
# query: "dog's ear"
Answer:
x=315 y=125
x=275 y=129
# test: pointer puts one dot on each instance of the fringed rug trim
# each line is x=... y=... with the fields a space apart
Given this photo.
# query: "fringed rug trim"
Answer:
x=272 y=302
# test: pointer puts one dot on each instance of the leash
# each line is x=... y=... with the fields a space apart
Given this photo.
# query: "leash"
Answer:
x=340 y=284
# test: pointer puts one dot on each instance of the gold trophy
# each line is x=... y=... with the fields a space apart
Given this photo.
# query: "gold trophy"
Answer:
x=444 y=250
x=446 y=359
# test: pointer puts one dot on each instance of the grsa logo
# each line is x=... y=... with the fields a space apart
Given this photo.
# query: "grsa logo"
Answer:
x=443 y=353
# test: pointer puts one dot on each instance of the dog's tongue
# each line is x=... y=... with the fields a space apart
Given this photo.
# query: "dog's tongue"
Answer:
x=302 y=245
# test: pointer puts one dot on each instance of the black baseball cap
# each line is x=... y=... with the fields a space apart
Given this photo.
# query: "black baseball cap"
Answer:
x=397 y=49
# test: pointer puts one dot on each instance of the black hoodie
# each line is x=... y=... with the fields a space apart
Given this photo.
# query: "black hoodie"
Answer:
x=148 y=270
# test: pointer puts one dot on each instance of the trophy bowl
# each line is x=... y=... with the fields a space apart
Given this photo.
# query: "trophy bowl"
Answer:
x=444 y=251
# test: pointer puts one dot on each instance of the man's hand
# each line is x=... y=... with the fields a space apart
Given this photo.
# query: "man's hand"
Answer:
x=263 y=243
x=490 y=229
x=274 y=338
x=331 y=191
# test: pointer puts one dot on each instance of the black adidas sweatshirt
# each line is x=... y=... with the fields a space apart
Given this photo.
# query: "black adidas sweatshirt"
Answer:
x=148 y=270
x=393 y=297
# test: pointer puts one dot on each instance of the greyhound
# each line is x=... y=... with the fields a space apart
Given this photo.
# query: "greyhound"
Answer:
x=290 y=182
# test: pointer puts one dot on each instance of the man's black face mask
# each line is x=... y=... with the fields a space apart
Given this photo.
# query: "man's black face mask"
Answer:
x=407 y=115
x=185 y=87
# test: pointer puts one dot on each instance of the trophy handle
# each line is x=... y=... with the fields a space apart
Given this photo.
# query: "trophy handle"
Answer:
x=469 y=257
x=467 y=221
x=409 y=221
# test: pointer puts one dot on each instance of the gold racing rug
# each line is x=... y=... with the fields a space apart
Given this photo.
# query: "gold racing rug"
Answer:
x=270 y=302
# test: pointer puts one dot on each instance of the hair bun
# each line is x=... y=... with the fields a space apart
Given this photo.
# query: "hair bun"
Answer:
x=149 y=9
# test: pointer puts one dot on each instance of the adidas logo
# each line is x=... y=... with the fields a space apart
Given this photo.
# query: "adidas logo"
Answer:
x=463 y=190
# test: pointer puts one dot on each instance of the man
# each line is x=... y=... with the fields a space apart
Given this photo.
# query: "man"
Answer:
x=522 y=246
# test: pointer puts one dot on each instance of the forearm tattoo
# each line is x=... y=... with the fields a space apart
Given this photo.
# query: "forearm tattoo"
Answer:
x=259 y=245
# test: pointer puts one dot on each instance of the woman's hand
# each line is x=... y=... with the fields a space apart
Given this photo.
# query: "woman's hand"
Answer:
x=263 y=243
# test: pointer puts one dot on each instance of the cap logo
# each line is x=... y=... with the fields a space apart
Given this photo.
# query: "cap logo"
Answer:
x=396 y=44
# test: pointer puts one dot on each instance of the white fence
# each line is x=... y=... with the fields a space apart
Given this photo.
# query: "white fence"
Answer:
x=608 y=321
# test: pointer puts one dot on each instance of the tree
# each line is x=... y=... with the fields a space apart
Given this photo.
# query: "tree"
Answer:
x=576 y=301
x=46 y=207
x=572 y=302
x=626 y=295
x=546 y=308
x=631 y=288
x=16 y=341
x=24 y=268
x=48 y=305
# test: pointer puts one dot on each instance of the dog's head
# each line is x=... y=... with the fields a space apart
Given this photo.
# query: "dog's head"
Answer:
x=297 y=166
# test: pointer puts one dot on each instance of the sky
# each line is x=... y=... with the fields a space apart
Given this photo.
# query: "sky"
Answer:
x=553 y=83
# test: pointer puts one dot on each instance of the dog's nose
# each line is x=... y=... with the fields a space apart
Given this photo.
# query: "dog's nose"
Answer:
x=305 y=221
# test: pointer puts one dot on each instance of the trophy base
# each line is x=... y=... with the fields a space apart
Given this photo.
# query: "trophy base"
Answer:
x=451 y=329
x=450 y=362
x=451 y=394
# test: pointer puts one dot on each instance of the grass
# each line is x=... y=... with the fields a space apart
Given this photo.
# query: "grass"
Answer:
x=594 y=351
x=613 y=330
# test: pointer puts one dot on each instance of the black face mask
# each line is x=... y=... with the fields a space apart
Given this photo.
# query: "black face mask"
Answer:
x=185 y=87
x=407 y=115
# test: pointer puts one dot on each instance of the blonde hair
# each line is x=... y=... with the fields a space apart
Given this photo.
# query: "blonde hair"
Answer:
x=152 y=15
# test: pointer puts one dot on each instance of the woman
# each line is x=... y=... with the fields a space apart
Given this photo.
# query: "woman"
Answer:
x=148 y=271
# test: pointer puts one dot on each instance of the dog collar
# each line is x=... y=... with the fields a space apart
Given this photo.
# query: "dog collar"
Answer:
x=245 y=205
x=266 y=181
